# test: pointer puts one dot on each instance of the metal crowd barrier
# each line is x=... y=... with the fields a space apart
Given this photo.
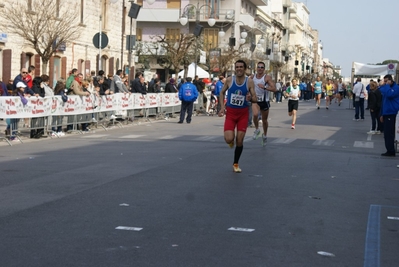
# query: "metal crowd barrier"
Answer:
x=72 y=123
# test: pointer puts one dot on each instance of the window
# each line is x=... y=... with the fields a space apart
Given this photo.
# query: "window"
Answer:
x=210 y=38
x=173 y=3
x=172 y=35
x=81 y=10
x=139 y=34
x=215 y=4
x=57 y=8
x=104 y=14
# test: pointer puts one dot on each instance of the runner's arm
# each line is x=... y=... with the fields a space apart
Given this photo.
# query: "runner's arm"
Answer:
x=271 y=83
x=251 y=88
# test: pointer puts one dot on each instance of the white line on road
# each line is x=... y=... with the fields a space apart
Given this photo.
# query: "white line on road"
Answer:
x=323 y=142
x=393 y=218
x=284 y=140
x=95 y=136
x=128 y=228
x=206 y=138
x=363 y=144
x=248 y=230
x=167 y=137
x=132 y=136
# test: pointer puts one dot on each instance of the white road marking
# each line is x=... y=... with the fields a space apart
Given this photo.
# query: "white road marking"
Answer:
x=241 y=229
x=95 y=136
x=393 y=218
x=326 y=254
x=248 y=138
x=128 y=228
x=132 y=136
x=206 y=138
x=283 y=140
x=167 y=137
x=363 y=144
x=323 y=142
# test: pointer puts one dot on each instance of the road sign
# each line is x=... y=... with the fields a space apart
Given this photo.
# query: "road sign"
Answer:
x=104 y=40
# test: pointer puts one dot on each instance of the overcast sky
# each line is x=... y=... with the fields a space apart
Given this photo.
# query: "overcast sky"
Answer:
x=363 y=31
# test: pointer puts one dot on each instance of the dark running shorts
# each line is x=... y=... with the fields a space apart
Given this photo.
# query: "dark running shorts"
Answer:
x=292 y=104
x=264 y=105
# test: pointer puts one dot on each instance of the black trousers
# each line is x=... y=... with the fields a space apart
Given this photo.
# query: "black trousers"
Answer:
x=186 y=106
x=389 y=132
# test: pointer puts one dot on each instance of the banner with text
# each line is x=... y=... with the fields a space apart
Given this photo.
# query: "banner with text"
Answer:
x=13 y=107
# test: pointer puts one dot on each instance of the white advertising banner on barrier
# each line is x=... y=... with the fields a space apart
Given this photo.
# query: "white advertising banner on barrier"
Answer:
x=12 y=107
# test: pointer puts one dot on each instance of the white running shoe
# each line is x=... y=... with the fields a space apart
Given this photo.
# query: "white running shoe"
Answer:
x=256 y=134
x=371 y=132
x=264 y=140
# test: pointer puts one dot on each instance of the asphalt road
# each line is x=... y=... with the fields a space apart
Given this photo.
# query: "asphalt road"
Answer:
x=164 y=194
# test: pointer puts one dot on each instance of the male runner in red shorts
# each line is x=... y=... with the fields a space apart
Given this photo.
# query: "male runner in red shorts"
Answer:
x=240 y=90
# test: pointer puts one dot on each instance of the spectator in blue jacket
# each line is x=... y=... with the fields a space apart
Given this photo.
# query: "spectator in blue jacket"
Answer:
x=218 y=89
x=188 y=93
x=302 y=87
x=390 y=106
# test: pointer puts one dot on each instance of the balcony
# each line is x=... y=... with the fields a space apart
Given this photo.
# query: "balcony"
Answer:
x=292 y=28
x=293 y=8
x=287 y=3
x=158 y=15
x=248 y=20
x=259 y=2
x=166 y=15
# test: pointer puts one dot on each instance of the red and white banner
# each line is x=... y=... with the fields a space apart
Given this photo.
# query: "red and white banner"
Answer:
x=12 y=107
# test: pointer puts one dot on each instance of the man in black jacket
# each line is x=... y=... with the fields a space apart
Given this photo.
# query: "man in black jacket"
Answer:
x=136 y=86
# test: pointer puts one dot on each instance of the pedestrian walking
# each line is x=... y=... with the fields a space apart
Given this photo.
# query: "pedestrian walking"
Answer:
x=374 y=101
x=360 y=94
x=188 y=93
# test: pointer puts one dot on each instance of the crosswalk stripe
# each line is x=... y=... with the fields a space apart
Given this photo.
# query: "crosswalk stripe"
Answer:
x=323 y=142
x=167 y=137
x=95 y=136
x=363 y=144
x=283 y=140
x=132 y=136
x=206 y=138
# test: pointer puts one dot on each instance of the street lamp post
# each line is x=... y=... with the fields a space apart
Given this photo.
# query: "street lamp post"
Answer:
x=232 y=39
x=198 y=28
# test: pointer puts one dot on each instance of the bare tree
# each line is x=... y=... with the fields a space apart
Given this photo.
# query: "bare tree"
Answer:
x=45 y=26
x=228 y=57
x=177 y=52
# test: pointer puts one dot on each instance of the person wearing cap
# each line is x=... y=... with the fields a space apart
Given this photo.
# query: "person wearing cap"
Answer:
x=171 y=87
